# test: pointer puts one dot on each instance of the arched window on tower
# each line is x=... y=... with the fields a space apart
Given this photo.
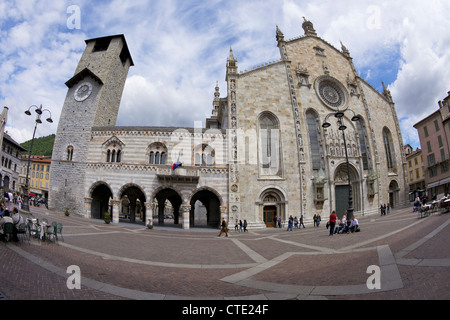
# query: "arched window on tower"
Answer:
x=69 y=153
x=313 y=131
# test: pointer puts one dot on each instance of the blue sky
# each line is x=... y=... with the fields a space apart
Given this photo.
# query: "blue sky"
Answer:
x=180 y=50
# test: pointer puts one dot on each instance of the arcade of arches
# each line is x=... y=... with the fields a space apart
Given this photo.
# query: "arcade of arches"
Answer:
x=166 y=208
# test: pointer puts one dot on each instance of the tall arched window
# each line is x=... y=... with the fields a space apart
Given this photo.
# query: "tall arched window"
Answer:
x=362 y=142
x=269 y=144
x=69 y=153
x=313 y=130
x=389 y=148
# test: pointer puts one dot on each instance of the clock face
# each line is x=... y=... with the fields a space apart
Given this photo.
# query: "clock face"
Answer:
x=83 y=91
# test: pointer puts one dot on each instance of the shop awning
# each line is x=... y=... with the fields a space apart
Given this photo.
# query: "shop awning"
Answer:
x=439 y=183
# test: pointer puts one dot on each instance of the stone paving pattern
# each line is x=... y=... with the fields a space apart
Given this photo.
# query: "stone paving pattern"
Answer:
x=166 y=263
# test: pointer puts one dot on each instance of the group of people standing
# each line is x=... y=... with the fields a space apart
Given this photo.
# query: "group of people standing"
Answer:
x=240 y=226
x=9 y=199
x=385 y=209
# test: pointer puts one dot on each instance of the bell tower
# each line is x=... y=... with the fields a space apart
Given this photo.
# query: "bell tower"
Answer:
x=92 y=100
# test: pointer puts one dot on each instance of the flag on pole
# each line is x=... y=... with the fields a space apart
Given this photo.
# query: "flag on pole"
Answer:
x=177 y=164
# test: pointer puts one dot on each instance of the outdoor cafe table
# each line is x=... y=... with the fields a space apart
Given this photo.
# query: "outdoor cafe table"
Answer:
x=41 y=224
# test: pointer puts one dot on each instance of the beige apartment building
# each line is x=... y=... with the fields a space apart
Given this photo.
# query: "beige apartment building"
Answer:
x=416 y=176
x=433 y=134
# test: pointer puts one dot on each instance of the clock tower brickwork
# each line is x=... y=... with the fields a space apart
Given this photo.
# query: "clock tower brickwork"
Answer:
x=93 y=99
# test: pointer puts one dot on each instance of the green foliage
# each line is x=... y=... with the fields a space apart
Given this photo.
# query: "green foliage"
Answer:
x=41 y=147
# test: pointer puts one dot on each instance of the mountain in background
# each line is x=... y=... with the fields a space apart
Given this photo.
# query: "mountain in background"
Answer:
x=41 y=147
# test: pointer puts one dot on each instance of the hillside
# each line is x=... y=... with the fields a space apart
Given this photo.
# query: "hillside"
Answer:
x=41 y=147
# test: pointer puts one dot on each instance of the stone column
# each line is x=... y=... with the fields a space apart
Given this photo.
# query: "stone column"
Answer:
x=185 y=212
x=115 y=211
x=148 y=213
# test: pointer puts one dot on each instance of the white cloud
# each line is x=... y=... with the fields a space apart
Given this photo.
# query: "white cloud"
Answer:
x=180 y=50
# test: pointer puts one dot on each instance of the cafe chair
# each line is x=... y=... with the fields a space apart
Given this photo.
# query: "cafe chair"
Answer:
x=34 y=230
x=22 y=231
x=58 y=230
x=8 y=231
x=51 y=231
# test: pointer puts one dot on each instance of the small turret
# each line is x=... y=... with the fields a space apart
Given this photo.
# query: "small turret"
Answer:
x=309 y=28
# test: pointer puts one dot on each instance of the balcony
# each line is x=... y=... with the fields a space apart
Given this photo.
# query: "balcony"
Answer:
x=180 y=175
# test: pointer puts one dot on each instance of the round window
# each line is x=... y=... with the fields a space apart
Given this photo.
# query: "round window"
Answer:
x=331 y=92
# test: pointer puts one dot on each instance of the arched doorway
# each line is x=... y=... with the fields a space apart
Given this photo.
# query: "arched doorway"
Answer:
x=205 y=209
x=101 y=195
x=342 y=189
x=132 y=208
x=273 y=206
x=167 y=207
x=393 y=193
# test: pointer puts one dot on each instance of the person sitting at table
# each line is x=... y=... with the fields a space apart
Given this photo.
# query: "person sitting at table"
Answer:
x=17 y=220
x=6 y=219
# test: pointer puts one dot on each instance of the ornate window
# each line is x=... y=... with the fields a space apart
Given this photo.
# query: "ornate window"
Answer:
x=204 y=155
x=331 y=92
x=362 y=142
x=113 y=150
x=157 y=153
x=313 y=130
x=389 y=148
x=269 y=145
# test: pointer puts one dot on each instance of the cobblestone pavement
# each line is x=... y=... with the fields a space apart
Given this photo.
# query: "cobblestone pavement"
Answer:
x=410 y=256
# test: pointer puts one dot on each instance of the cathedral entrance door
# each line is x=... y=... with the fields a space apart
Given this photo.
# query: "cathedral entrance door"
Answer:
x=269 y=215
x=341 y=200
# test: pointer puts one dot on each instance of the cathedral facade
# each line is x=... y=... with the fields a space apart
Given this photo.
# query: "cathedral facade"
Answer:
x=290 y=138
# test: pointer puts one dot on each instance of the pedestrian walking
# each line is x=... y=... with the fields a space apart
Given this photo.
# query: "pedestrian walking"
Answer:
x=224 y=228
x=318 y=220
x=301 y=222
x=290 y=223
x=245 y=225
x=240 y=225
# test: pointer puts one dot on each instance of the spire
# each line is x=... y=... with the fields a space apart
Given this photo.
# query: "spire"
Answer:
x=231 y=57
x=217 y=92
x=232 y=68
x=387 y=93
x=309 y=28
x=280 y=35
x=345 y=50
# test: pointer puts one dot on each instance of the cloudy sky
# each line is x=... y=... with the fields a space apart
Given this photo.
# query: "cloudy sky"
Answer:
x=180 y=49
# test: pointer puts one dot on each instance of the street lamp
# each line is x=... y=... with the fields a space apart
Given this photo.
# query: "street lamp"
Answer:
x=39 y=111
x=339 y=115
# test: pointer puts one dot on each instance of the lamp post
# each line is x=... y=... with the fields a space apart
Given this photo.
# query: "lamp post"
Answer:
x=39 y=111
x=339 y=115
